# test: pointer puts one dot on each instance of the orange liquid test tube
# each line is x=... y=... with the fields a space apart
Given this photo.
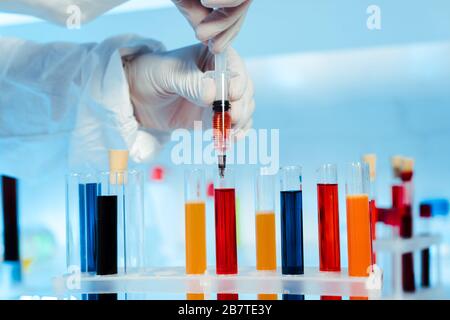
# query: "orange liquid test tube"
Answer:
x=266 y=254
x=358 y=221
x=195 y=226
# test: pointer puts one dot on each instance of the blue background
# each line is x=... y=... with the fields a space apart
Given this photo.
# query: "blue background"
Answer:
x=334 y=88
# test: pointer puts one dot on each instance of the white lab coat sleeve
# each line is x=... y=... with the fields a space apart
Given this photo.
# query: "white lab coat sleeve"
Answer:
x=67 y=104
x=60 y=11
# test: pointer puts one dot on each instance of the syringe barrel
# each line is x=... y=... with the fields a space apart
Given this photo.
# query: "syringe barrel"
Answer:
x=221 y=129
x=221 y=76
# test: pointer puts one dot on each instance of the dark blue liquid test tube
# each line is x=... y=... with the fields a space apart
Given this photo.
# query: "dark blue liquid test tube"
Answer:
x=106 y=242
x=88 y=215
x=291 y=224
x=10 y=201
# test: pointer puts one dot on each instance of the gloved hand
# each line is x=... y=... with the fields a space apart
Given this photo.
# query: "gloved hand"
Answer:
x=217 y=27
x=170 y=90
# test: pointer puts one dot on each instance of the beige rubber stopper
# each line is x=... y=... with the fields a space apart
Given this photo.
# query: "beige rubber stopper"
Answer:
x=371 y=160
x=397 y=163
x=408 y=165
x=118 y=165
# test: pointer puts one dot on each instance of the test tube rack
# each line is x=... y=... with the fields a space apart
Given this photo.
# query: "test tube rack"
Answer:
x=248 y=281
x=399 y=246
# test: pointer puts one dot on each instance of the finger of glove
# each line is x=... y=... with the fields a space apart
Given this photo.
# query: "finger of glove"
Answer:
x=222 y=3
x=196 y=88
x=245 y=114
x=193 y=10
x=242 y=133
x=180 y=72
x=192 y=85
x=219 y=21
x=144 y=148
x=240 y=79
x=242 y=109
x=223 y=40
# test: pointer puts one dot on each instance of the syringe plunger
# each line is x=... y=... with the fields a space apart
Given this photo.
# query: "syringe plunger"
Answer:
x=221 y=77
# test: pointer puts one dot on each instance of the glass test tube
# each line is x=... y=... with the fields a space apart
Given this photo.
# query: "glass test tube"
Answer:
x=266 y=255
x=358 y=220
x=291 y=224
x=225 y=227
x=81 y=211
x=108 y=204
x=406 y=224
x=81 y=219
x=88 y=211
x=328 y=209
x=195 y=225
x=425 y=215
x=127 y=189
x=328 y=212
x=110 y=234
x=398 y=196
x=371 y=160
x=10 y=205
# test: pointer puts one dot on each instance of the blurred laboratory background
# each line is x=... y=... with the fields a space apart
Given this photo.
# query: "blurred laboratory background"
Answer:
x=334 y=88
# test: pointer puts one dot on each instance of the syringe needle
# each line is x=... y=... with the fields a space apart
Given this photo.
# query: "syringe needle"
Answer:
x=222 y=164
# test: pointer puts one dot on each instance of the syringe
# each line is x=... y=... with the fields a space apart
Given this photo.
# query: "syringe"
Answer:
x=221 y=107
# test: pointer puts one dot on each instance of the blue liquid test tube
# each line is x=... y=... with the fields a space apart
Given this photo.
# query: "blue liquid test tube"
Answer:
x=291 y=224
x=88 y=208
x=88 y=212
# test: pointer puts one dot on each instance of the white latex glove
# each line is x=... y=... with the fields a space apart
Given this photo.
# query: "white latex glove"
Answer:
x=217 y=27
x=60 y=11
x=169 y=90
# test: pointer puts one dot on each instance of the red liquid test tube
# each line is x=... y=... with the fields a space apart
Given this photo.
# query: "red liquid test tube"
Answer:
x=328 y=211
x=371 y=160
x=406 y=229
x=225 y=222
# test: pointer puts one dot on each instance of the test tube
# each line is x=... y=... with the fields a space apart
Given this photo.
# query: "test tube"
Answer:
x=195 y=225
x=425 y=214
x=111 y=218
x=266 y=255
x=291 y=224
x=108 y=233
x=328 y=212
x=406 y=223
x=88 y=189
x=371 y=160
x=88 y=210
x=358 y=220
x=225 y=221
x=398 y=193
x=328 y=209
x=398 y=196
x=11 y=255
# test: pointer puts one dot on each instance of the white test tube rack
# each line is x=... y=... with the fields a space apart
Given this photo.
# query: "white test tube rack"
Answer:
x=397 y=247
x=248 y=281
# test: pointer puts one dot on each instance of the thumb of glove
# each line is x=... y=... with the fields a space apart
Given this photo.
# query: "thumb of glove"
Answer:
x=194 y=85
x=144 y=148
